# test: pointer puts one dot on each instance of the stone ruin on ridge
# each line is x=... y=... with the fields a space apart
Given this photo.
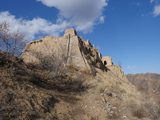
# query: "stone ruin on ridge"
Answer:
x=76 y=50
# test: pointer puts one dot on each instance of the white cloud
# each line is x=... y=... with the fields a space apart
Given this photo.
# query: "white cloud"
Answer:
x=156 y=1
x=82 y=14
x=138 y=4
x=32 y=27
x=131 y=67
x=101 y=19
x=156 y=11
x=151 y=1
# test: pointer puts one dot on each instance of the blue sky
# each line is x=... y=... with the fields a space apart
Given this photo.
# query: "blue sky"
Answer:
x=126 y=30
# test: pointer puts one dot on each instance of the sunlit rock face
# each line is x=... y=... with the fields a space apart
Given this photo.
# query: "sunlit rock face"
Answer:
x=77 y=51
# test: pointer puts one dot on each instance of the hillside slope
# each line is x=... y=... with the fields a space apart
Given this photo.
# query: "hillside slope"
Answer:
x=26 y=94
x=53 y=86
x=149 y=82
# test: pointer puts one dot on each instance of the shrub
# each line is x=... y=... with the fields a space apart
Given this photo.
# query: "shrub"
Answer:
x=11 y=43
x=11 y=46
x=136 y=107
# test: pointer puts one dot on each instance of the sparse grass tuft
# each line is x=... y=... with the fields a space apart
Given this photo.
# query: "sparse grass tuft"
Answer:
x=136 y=107
x=96 y=49
x=86 y=72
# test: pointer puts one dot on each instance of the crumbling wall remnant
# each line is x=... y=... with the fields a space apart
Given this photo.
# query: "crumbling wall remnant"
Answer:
x=107 y=61
x=81 y=52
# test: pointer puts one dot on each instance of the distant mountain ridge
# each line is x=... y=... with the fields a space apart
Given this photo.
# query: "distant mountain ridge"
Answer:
x=150 y=82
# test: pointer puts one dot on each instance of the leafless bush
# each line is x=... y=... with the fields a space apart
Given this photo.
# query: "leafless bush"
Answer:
x=141 y=88
x=11 y=43
x=138 y=110
x=152 y=106
x=148 y=106
x=11 y=46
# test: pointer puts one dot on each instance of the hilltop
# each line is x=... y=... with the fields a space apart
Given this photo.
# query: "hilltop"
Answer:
x=66 y=78
x=77 y=96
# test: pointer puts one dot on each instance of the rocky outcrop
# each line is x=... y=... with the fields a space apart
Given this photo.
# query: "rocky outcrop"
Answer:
x=117 y=71
x=78 y=52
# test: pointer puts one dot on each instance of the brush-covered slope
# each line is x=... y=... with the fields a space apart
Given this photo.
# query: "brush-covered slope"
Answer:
x=149 y=82
x=28 y=93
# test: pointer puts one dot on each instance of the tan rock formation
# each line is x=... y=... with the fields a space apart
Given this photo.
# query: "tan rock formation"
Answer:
x=77 y=51
x=107 y=61
x=117 y=71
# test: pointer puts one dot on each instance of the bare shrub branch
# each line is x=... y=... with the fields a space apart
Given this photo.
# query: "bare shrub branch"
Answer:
x=11 y=43
x=11 y=46
x=120 y=64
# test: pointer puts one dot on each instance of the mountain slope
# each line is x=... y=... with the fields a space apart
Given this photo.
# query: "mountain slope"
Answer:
x=27 y=94
x=149 y=82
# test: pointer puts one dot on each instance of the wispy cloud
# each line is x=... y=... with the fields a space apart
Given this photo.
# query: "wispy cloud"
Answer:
x=136 y=3
x=83 y=15
x=156 y=10
x=101 y=19
x=131 y=67
x=151 y=1
x=156 y=1
x=32 y=27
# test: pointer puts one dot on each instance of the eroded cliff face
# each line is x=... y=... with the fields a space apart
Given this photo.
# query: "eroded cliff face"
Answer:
x=117 y=71
x=70 y=49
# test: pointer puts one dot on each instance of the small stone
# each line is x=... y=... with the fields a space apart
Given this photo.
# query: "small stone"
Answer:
x=112 y=112
x=124 y=116
x=109 y=94
x=101 y=94
x=105 y=111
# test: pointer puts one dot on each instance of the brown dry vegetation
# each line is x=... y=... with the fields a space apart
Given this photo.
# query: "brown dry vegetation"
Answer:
x=28 y=94
x=149 y=82
x=148 y=85
x=39 y=92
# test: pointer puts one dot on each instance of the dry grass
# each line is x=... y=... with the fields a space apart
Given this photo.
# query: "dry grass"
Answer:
x=86 y=72
x=143 y=105
x=96 y=49
x=67 y=80
x=136 y=108
x=13 y=80
x=129 y=100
